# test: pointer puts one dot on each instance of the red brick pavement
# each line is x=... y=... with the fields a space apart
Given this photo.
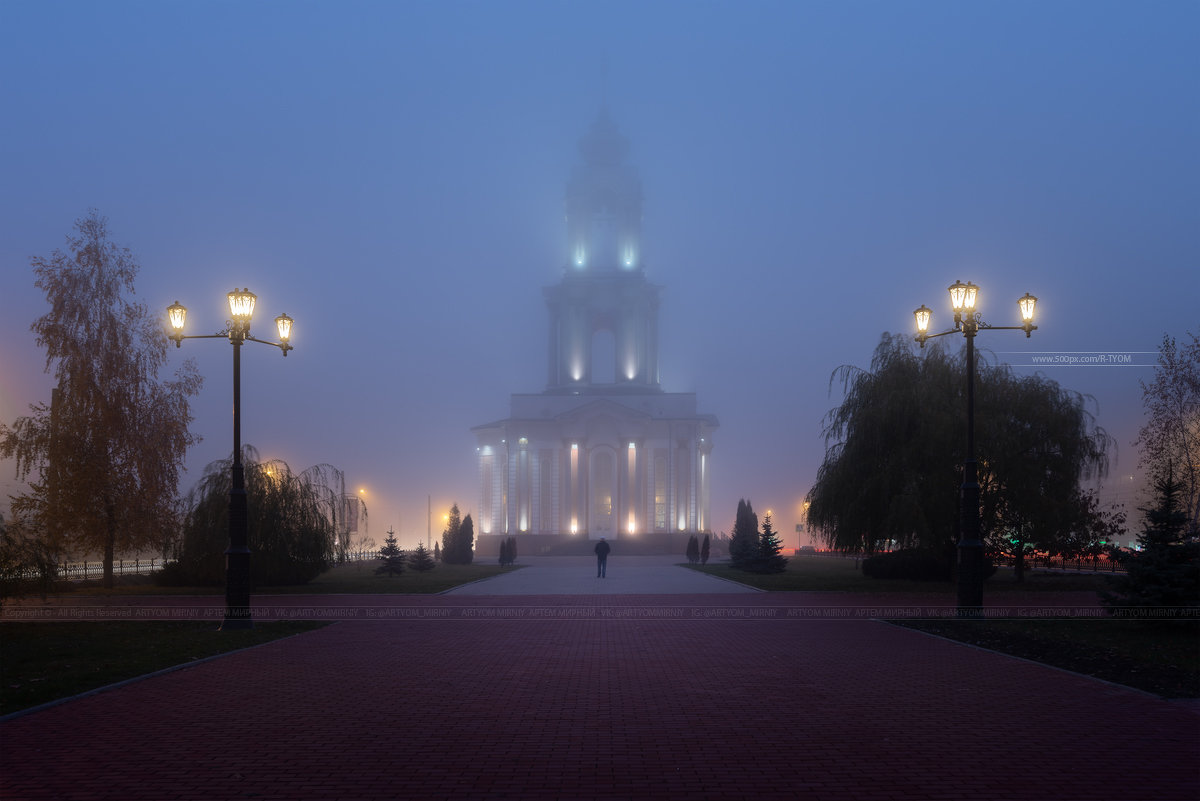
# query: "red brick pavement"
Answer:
x=626 y=707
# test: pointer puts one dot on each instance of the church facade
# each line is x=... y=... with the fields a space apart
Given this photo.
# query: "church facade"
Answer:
x=603 y=450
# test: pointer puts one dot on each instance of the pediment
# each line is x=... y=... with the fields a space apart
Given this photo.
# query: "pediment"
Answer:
x=603 y=407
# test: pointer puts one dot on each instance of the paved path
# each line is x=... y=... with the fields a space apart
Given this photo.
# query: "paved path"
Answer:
x=574 y=696
x=626 y=575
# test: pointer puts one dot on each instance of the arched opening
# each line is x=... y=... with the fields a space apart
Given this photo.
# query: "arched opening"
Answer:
x=604 y=357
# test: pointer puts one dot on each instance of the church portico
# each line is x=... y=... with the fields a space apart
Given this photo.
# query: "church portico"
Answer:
x=597 y=468
x=603 y=451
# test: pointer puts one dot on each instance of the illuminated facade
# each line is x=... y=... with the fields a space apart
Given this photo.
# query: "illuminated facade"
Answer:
x=603 y=451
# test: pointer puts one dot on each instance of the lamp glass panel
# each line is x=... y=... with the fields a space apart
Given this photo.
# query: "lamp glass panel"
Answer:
x=958 y=295
x=922 y=314
x=176 y=314
x=284 y=324
x=1027 y=304
x=969 y=295
x=241 y=304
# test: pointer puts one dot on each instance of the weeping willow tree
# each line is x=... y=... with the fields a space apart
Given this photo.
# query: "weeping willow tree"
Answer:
x=889 y=473
x=896 y=444
x=293 y=520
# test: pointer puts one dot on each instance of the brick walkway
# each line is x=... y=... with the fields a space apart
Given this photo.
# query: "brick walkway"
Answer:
x=607 y=701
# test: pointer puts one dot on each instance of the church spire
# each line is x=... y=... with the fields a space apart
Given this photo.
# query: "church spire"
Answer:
x=604 y=204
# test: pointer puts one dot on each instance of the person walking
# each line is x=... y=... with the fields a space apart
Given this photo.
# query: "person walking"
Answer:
x=602 y=549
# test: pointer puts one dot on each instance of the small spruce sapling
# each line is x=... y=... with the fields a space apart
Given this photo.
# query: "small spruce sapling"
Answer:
x=421 y=560
x=392 y=555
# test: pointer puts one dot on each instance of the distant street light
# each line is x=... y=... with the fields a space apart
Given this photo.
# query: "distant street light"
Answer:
x=970 y=546
x=237 y=556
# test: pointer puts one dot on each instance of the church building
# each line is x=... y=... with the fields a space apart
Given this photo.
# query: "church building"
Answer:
x=603 y=450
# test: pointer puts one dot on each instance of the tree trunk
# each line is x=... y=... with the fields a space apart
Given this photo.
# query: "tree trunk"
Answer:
x=1019 y=564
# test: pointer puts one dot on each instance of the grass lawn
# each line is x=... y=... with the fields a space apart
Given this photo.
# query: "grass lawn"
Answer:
x=834 y=574
x=352 y=578
x=42 y=662
x=1159 y=657
x=360 y=578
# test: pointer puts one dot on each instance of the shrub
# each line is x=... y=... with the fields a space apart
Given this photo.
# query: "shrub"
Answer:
x=508 y=551
x=27 y=563
x=916 y=564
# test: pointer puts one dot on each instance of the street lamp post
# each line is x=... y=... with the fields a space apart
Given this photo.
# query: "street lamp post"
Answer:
x=970 y=546
x=237 y=555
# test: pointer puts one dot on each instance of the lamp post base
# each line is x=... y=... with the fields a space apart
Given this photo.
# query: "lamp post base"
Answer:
x=970 y=581
x=237 y=590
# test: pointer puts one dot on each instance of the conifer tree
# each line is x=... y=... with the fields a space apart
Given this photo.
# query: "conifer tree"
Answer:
x=769 y=559
x=1165 y=571
x=466 y=541
x=458 y=540
x=743 y=542
x=508 y=550
x=421 y=559
x=693 y=550
x=704 y=550
x=392 y=556
x=437 y=552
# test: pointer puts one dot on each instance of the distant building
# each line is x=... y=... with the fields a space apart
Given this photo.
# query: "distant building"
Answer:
x=603 y=451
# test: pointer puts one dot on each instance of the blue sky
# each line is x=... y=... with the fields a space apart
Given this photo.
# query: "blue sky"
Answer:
x=391 y=174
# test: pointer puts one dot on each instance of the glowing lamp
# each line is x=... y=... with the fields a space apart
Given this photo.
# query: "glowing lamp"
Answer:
x=176 y=315
x=923 y=315
x=284 y=325
x=962 y=296
x=1027 y=304
x=241 y=305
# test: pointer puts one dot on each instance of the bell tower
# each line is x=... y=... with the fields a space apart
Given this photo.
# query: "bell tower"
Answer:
x=604 y=204
x=604 y=314
x=603 y=450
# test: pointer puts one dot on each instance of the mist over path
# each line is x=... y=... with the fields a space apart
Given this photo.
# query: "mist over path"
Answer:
x=626 y=575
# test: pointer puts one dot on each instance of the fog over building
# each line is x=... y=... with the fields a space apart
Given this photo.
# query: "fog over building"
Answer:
x=603 y=451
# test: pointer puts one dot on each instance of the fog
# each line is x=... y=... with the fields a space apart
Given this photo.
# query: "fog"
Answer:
x=392 y=176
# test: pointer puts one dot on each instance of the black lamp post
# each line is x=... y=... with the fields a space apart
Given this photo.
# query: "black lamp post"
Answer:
x=970 y=545
x=237 y=556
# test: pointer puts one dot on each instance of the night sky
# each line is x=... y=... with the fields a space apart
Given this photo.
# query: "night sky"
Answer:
x=392 y=175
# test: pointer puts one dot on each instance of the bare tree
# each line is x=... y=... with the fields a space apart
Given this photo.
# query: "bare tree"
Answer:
x=1170 y=439
x=103 y=457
